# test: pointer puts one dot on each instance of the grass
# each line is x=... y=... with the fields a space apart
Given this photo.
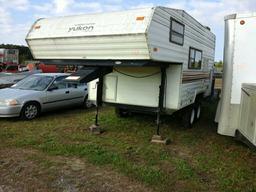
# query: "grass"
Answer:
x=197 y=159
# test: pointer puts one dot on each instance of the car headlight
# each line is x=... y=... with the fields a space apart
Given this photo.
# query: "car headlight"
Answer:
x=9 y=102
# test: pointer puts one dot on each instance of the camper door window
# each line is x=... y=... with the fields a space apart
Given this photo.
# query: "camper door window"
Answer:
x=195 y=58
x=177 y=32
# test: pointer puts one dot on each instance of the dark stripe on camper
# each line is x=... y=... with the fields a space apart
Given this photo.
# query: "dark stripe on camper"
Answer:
x=188 y=77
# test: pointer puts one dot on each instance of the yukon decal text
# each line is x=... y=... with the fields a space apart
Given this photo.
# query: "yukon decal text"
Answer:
x=82 y=27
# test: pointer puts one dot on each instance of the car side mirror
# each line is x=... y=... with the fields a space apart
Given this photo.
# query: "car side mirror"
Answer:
x=52 y=87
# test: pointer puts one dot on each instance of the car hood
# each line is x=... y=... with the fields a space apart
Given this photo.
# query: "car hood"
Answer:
x=10 y=93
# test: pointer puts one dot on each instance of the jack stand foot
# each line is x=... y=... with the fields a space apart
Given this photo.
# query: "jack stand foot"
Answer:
x=159 y=140
x=95 y=129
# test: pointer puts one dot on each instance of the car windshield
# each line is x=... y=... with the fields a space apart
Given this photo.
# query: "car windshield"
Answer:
x=34 y=82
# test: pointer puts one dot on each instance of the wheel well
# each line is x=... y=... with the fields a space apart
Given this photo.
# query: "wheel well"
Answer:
x=34 y=102
x=199 y=97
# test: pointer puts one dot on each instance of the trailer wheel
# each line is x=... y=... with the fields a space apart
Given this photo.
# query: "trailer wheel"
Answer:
x=122 y=112
x=189 y=117
x=198 y=111
x=87 y=104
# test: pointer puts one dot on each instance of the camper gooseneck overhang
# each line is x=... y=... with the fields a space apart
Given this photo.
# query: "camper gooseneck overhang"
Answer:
x=153 y=59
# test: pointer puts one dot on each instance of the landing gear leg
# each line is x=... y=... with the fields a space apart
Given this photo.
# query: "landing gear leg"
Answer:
x=158 y=138
x=95 y=128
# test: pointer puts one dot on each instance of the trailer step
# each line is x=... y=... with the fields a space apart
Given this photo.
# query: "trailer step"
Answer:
x=158 y=139
x=95 y=129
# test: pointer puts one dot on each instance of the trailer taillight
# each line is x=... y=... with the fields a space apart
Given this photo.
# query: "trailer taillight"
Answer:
x=140 y=18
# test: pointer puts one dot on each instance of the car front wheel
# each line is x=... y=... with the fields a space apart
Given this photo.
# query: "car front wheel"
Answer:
x=30 y=111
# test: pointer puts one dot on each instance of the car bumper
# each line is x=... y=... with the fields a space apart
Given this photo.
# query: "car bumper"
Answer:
x=10 y=111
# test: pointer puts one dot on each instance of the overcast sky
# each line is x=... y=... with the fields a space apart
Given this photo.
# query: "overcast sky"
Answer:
x=16 y=16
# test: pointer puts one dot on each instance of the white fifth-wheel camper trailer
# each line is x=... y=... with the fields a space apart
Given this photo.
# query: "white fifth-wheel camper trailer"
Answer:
x=235 y=113
x=152 y=59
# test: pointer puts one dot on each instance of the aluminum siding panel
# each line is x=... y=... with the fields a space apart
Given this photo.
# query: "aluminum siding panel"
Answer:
x=196 y=36
x=113 y=35
x=100 y=47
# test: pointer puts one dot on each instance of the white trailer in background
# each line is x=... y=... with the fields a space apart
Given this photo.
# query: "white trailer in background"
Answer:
x=239 y=68
x=138 y=50
x=9 y=55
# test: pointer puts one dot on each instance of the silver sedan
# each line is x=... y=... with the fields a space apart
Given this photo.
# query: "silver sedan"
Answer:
x=41 y=92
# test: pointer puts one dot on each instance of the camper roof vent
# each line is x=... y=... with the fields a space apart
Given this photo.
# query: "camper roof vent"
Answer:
x=207 y=27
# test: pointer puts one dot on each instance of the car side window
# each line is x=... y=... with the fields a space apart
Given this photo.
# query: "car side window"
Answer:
x=60 y=83
x=76 y=85
x=72 y=85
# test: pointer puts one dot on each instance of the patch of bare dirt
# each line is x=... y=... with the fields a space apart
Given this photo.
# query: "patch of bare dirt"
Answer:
x=180 y=151
x=30 y=170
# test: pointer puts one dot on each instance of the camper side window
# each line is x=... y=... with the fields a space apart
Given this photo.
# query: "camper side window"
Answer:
x=177 y=32
x=195 y=58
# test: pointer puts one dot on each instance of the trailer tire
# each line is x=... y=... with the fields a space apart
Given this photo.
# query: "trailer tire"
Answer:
x=87 y=104
x=188 y=119
x=120 y=112
x=198 y=110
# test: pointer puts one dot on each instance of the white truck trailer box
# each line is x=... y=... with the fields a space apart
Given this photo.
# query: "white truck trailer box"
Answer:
x=239 y=67
x=247 y=116
x=141 y=47
x=1 y=55
x=9 y=55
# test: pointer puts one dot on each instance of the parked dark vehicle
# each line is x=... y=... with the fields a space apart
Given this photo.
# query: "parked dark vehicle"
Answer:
x=9 y=67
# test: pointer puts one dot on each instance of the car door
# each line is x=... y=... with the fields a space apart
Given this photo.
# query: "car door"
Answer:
x=58 y=94
x=77 y=92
